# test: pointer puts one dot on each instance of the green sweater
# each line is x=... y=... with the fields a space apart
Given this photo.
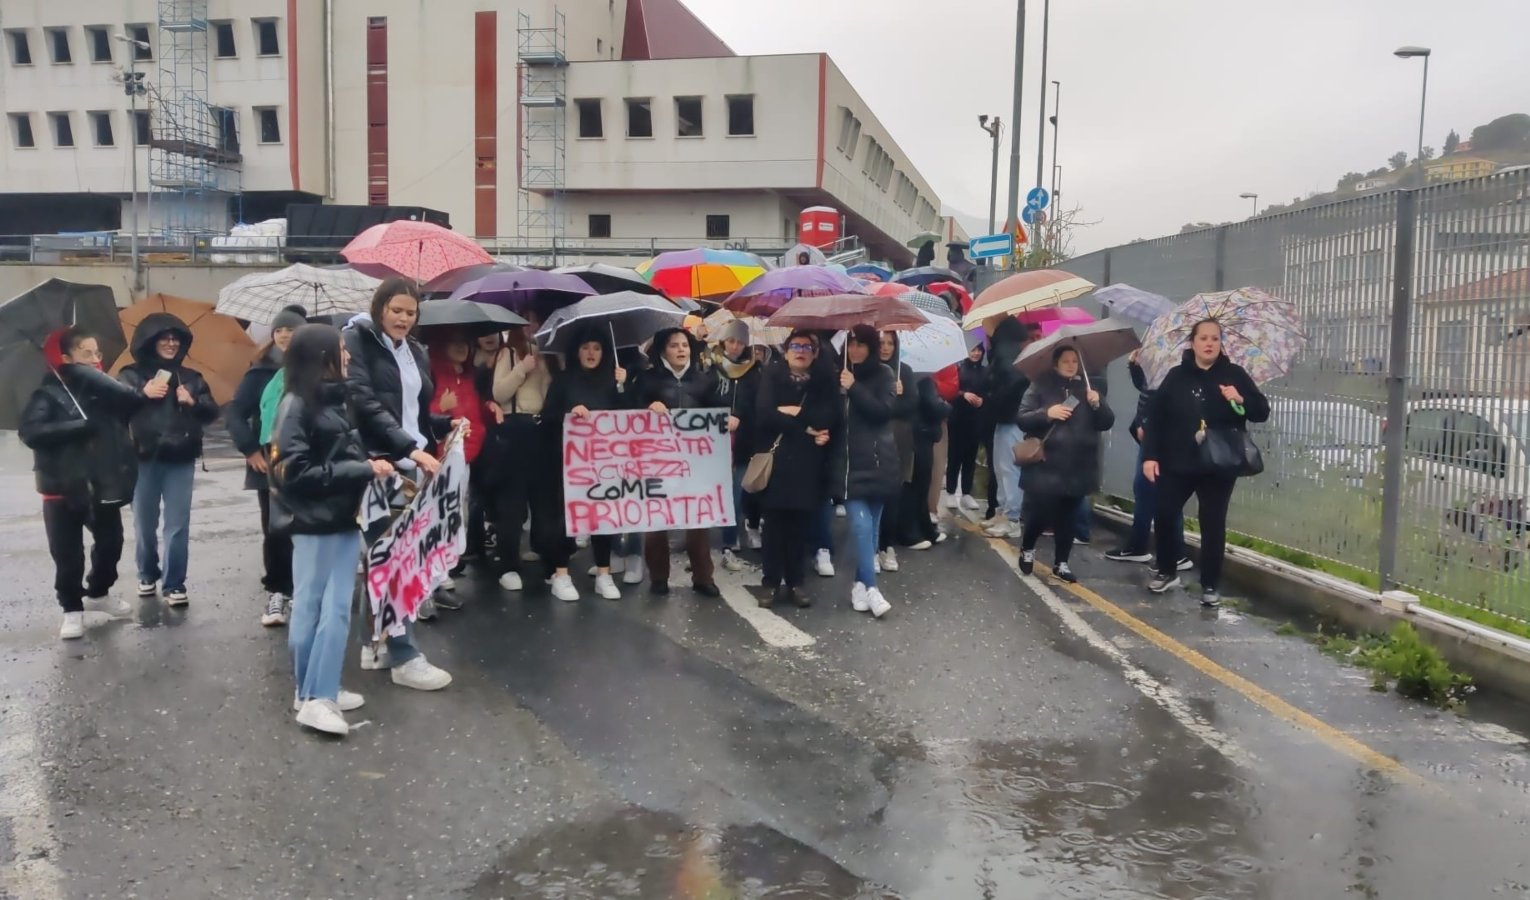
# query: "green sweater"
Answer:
x=270 y=398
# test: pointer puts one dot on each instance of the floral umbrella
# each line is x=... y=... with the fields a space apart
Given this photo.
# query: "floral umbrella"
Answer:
x=1261 y=333
x=419 y=251
x=703 y=272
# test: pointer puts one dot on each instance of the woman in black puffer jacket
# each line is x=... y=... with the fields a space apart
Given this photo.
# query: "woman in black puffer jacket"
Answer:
x=867 y=470
x=905 y=410
x=966 y=429
x=1068 y=415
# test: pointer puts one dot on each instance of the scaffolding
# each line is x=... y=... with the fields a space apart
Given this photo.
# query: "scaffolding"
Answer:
x=544 y=78
x=194 y=160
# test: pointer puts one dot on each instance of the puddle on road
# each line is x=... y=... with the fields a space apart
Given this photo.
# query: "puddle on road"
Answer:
x=646 y=855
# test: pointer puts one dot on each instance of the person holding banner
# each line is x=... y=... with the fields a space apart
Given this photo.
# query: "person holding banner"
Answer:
x=318 y=471
x=798 y=415
x=390 y=388
x=869 y=471
x=676 y=380
x=591 y=382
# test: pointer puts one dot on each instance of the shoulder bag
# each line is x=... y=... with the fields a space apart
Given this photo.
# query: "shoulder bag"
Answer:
x=1032 y=450
x=1226 y=450
x=757 y=473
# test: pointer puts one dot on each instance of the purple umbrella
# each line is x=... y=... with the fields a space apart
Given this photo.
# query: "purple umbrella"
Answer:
x=532 y=290
x=445 y=283
x=770 y=291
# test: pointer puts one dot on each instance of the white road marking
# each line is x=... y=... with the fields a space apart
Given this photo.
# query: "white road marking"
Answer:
x=773 y=630
x=24 y=808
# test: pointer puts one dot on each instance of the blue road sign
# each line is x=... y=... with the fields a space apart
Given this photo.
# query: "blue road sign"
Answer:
x=1032 y=216
x=1038 y=198
x=990 y=246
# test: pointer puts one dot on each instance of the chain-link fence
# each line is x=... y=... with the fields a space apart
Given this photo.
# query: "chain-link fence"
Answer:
x=1441 y=274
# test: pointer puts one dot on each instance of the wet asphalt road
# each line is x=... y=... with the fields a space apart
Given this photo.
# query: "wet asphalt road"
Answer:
x=991 y=738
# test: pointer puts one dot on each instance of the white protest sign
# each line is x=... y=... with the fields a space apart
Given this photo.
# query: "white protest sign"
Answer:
x=637 y=470
x=424 y=543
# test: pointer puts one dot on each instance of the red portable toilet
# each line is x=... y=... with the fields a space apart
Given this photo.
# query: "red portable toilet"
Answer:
x=818 y=226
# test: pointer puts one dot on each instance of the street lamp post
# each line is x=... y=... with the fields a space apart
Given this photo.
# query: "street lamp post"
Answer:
x=1253 y=197
x=1410 y=53
x=994 y=129
x=1056 y=111
x=1014 y=130
x=135 y=88
x=1041 y=114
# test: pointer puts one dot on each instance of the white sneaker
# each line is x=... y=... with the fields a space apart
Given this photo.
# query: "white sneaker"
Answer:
x=840 y=511
x=606 y=587
x=823 y=564
x=634 y=573
x=323 y=715
x=345 y=700
x=950 y=501
x=934 y=518
x=730 y=560
x=876 y=564
x=1003 y=529
x=968 y=502
x=877 y=603
x=419 y=674
x=73 y=627
x=890 y=559
x=858 y=596
x=510 y=581
x=276 y=611
x=752 y=538
x=618 y=566
x=114 y=607
x=176 y=598
x=375 y=658
x=448 y=584
x=563 y=588
x=581 y=542
x=148 y=588
x=922 y=545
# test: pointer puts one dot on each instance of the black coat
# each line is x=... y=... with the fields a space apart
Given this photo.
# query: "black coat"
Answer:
x=930 y=413
x=82 y=458
x=1006 y=385
x=1190 y=395
x=1144 y=398
x=971 y=378
x=377 y=393
x=800 y=476
x=167 y=430
x=740 y=395
x=905 y=409
x=319 y=466
x=866 y=459
x=696 y=388
x=1072 y=466
x=242 y=417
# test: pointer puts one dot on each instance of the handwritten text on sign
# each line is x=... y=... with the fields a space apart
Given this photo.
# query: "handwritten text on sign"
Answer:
x=421 y=546
x=636 y=470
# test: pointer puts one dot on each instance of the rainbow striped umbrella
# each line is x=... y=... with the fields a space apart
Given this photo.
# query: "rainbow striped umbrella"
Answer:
x=703 y=273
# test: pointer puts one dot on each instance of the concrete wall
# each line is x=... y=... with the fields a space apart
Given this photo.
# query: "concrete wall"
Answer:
x=193 y=282
x=681 y=215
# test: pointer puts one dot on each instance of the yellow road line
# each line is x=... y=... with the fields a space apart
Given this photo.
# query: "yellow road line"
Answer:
x=1328 y=734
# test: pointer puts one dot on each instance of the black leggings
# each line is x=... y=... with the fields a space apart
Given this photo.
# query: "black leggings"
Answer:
x=1214 y=494
x=275 y=551
x=785 y=545
x=66 y=522
x=1056 y=513
x=914 y=508
x=993 y=473
x=961 y=459
x=562 y=551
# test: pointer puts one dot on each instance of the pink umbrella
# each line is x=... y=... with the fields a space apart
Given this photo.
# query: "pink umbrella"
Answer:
x=1054 y=317
x=419 y=251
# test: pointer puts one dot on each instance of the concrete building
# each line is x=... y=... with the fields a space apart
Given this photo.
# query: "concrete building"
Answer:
x=598 y=124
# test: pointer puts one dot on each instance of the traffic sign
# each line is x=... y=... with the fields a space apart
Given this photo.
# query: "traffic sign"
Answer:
x=1033 y=216
x=1038 y=198
x=991 y=245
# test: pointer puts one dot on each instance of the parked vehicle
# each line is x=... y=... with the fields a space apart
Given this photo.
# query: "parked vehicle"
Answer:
x=1305 y=438
x=1468 y=457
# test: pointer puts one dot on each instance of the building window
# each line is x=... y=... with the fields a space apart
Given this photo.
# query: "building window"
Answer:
x=688 y=117
x=639 y=118
x=265 y=38
x=142 y=49
x=600 y=225
x=21 y=131
x=21 y=48
x=226 y=122
x=100 y=43
x=101 y=127
x=141 y=130
x=590 y=125
x=846 y=123
x=63 y=129
x=717 y=228
x=740 y=115
x=223 y=40
x=58 y=45
x=270 y=125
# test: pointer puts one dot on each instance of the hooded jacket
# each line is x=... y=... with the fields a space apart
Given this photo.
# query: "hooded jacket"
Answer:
x=1072 y=464
x=971 y=378
x=243 y=416
x=930 y=411
x=575 y=385
x=866 y=459
x=167 y=430
x=76 y=425
x=1188 y=396
x=738 y=383
x=1006 y=385
x=319 y=466
x=377 y=391
x=695 y=388
x=463 y=383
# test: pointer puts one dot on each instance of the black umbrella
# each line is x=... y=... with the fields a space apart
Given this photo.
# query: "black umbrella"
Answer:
x=630 y=319
x=476 y=318
x=610 y=279
x=27 y=320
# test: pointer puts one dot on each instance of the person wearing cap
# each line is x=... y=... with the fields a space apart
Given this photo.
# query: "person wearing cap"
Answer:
x=739 y=383
x=248 y=423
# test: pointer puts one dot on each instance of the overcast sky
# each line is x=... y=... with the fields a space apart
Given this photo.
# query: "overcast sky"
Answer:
x=1171 y=108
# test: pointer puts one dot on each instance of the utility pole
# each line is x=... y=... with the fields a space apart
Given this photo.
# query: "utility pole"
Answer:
x=1041 y=113
x=1015 y=119
x=135 y=88
x=994 y=129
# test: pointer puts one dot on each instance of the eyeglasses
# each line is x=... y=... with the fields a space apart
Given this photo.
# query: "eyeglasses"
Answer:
x=800 y=346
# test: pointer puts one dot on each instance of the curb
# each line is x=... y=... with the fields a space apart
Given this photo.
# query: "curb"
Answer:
x=1493 y=658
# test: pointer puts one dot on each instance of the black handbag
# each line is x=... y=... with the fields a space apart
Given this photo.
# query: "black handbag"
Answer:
x=1230 y=451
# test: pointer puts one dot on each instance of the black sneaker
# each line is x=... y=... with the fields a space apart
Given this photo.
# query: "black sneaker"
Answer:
x=1127 y=554
x=802 y=600
x=778 y=594
x=1210 y=599
x=1081 y=541
x=659 y=587
x=1027 y=561
x=1063 y=571
x=1163 y=583
x=447 y=600
x=707 y=590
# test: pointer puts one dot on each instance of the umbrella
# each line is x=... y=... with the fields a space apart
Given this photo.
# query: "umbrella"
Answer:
x=220 y=349
x=1097 y=344
x=869 y=272
x=815 y=256
x=922 y=237
x=924 y=301
x=840 y=312
x=476 y=318
x=954 y=287
x=770 y=291
x=522 y=292
x=419 y=251
x=933 y=346
x=1052 y=318
x=1133 y=304
x=447 y=282
x=1031 y=289
x=27 y=319
x=606 y=279
x=322 y=292
x=760 y=334
x=925 y=275
x=630 y=318
x=1261 y=333
x=702 y=272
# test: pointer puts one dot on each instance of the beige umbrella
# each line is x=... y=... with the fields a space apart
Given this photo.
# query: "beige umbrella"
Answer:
x=1032 y=289
x=760 y=334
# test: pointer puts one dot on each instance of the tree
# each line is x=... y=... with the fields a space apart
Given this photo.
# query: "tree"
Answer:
x=1426 y=154
x=1452 y=141
x=1510 y=132
x=1398 y=160
x=1053 y=242
x=1349 y=180
x=1378 y=172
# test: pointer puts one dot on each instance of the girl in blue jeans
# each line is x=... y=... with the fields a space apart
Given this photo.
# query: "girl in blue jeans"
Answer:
x=319 y=470
x=869 y=472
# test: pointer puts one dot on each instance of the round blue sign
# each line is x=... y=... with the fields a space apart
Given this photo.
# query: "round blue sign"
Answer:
x=1038 y=198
